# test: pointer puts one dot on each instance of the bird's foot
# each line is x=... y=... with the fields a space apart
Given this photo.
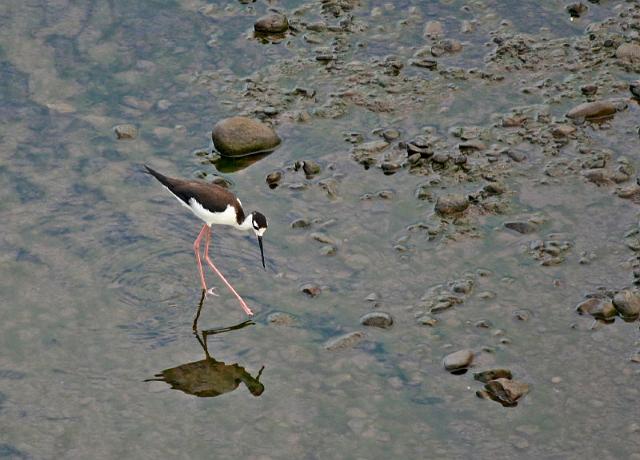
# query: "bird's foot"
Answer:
x=211 y=292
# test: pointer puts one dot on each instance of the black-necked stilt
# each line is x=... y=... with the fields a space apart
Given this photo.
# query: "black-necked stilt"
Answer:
x=214 y=205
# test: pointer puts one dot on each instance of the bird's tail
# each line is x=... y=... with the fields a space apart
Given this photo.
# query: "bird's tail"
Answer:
x=164 y=180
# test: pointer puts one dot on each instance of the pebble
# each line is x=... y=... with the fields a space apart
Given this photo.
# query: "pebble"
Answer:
x=273 y=179
x=433 y=29
x=506 y=392
x=599 y=308
x=492 y=374
x=521 y=227
x=377 y=319
x=390 y=134
x=447 y=205
x=342 y=342
x=300 y=223
x=273 y=23
x=627 y=303
x=556 y=379
x=281 y=319
x=311 y=289
x=522 y=315
x=310 y=168
x=593 y=110
x=126 y=131
x=458 y=362
x=577 y=9
x=240 y=136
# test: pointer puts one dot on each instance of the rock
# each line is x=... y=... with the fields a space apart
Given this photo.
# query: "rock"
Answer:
x=126 y=131
x=273 y=178
x=576 y=10
x=522 y=315
x=627 y=303
x=322 y=238
x=589 y=90
x=458 y=362
x=473 y=145
x=593 y=110
x=447 y=205
x=563 y=130
x=372 y=147
x=487 y=376
x=311 y=289
x=629 y=52
x=300 y=223
x=505 y=391
x=273 y=23
x=342 y=342
x=433 y=29
x=309 y=167
x=634 y=87
x=281 y=319
x=221 y=181
x=390 y=134
x=377 y=319
x=521 y=227
x=240 y=136
x=599 y=308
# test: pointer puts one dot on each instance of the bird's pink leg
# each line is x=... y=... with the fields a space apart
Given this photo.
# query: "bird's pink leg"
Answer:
x=246 y=309
x=196 y=249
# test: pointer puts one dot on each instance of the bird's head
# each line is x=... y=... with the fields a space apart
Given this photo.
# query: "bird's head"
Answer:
x=259 y=225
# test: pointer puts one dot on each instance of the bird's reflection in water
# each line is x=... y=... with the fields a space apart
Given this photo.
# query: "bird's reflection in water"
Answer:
x=208 y=378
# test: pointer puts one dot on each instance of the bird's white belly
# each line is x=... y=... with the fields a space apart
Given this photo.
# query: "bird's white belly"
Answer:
x=227 y=217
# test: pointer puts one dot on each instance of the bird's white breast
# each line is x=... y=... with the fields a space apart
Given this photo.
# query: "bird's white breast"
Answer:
x=227 y=217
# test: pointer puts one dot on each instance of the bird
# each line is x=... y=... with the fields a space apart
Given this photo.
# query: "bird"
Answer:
x=214 y=205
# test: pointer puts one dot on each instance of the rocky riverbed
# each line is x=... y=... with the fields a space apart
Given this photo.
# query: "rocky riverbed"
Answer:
x=452 y=194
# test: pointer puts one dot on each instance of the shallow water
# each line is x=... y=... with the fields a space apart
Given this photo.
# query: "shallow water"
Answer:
x=98 y=287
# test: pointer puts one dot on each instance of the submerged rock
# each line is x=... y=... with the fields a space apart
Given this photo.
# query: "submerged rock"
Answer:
x=451 y=204
x=240 y=136
x=377 y=319
x=126 y=131
x=505 y=391
x=273 y=23
x=521 y=227
x=279 y=318
x=342 y=342
x=458 y=362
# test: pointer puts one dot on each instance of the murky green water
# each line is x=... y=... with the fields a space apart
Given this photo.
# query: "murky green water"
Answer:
x=98 y=286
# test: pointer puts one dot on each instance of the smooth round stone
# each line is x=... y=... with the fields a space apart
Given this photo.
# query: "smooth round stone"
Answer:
x=506 y=392
x=598 y=109
x=458 y=362
x=451 y=204
x=273 y=179
x=377 y=319
x=599 y=308
x=521 y=227
x=273 y=23
x=126 y=131
x=342 y=342
x=627 y=303
x=240 y=136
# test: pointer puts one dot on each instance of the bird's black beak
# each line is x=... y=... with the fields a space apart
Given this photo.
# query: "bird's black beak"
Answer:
x=261 y=252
